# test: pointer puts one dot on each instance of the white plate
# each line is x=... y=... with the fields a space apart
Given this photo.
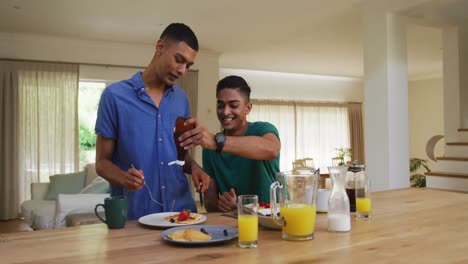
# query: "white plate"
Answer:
x=263 y=211
x=158 y=220
x=216 y=232
x=264 y=217
x=267 y=222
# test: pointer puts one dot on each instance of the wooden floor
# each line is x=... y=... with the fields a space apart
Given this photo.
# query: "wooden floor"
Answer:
x=12 y=226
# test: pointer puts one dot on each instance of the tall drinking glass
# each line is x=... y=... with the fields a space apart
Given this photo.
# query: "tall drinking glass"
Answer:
x=363 y=199
x=247 y=209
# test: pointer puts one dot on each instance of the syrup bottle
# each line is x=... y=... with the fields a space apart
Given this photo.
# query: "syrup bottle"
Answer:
x=179 y=129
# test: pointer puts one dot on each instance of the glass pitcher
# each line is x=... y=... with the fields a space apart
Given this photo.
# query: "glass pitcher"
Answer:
x=295 y=193
x=339 y=219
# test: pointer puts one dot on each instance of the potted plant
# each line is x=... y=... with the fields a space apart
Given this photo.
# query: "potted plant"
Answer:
x=416 y=179
x=342 y=154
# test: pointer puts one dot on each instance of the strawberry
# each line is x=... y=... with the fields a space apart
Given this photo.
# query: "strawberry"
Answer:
x=262 y=204
x=184 y=215
x=267 y=205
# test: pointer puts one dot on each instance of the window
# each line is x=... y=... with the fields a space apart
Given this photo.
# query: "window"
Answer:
x=306 y=130
x=88 y=100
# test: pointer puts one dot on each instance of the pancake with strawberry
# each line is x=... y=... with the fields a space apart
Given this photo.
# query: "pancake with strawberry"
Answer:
x=184 y=217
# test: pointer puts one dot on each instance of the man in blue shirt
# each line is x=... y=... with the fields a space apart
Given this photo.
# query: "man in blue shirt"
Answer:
x=134 y=130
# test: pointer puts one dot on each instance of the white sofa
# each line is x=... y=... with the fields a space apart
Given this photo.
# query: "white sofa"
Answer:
x=69 y=208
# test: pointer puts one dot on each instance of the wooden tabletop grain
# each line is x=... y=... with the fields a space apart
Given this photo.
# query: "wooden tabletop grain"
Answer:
x=407 y=226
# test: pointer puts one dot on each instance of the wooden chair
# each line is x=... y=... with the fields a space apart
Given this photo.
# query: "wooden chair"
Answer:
x=309 y=162
x=299 y=163
x=336 y=161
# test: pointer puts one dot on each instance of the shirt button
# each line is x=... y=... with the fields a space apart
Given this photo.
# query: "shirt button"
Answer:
x=159 y=116
x=162 y=163
x=160 y=139
x=163 y=187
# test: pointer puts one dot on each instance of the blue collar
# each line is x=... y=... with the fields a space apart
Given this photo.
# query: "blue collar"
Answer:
x=139 y=85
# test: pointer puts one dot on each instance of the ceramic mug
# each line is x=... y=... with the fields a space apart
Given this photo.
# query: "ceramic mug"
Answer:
x=115 y=209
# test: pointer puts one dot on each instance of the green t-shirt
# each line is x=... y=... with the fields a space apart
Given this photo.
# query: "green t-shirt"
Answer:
x=246 y=176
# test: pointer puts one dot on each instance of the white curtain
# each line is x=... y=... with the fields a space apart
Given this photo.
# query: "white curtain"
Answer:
x=307 y=130
x=282 y=116
x=320 y=131
x=47 y=120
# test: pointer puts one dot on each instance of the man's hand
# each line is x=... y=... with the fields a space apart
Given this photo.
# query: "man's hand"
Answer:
x=200 y=178
x=133 y=179
x=227 y=201
x=199 y=136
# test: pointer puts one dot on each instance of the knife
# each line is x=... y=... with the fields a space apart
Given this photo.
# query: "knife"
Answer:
x=201 y=195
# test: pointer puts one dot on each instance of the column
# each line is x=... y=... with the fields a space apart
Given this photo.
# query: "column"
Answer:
x=386 y=100
x=463 y=100
x=451 y=70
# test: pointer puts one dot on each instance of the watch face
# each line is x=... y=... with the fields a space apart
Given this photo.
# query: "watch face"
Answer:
x=220 y=139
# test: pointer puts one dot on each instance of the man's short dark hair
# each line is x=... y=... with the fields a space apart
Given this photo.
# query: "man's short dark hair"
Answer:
x=234 y=82
x=180 y=32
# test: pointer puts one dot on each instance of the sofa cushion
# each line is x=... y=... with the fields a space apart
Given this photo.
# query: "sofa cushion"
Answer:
x=68 y=204
x=98 y=185
x=39 y=190
x=84 y=219
x=69 y=183
x=91 y=174
x=39 y=214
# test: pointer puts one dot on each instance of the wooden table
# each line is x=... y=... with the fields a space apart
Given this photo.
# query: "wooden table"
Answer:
x=407 y=226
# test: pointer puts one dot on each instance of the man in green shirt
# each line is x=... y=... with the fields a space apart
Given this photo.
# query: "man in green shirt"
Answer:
x=244 y=157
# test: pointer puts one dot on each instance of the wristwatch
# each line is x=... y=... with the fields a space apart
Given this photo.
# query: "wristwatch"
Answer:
x=220 y=139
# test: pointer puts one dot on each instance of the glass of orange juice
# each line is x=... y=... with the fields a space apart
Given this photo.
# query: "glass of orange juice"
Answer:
x=247 y=217
x=363 y=197
x=295 y=192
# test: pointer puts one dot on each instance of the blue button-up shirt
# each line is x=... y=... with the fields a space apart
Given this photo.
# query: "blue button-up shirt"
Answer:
x=143 y=135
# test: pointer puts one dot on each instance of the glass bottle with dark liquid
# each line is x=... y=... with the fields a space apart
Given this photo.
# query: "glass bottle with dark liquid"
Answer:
x=351 y=184
x=179 y=129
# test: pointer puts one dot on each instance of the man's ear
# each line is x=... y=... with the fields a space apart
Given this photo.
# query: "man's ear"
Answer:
x=160 y=45
x=249 y=108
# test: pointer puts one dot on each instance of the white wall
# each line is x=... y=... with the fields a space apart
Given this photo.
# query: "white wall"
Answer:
x=50 y=48
x=426 y=119
x=109 y=74
x=275 y=85
x=426 y=116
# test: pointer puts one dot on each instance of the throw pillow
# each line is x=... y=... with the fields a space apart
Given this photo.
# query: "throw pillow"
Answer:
x=98 y=185
x=69 y=183
x=91 y=174
x=69 y=204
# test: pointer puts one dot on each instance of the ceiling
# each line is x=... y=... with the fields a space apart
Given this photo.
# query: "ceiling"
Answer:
x=300 y=36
